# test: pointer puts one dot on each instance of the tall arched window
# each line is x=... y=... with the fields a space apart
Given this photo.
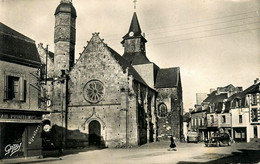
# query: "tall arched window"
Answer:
x=162 y=110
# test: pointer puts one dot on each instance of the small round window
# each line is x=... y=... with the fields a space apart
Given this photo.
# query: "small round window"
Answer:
x=94 y=91
x=162 y=110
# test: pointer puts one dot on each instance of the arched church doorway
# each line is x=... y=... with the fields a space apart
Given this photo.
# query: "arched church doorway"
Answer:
x=94 y=133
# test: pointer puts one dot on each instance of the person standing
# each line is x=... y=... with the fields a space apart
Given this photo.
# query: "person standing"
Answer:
x=172 y=145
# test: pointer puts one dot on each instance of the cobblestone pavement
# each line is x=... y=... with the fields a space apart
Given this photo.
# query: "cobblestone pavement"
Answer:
x=154 y=153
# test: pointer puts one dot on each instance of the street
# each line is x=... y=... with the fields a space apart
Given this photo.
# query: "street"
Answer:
x=154 y=153
x=158 y=153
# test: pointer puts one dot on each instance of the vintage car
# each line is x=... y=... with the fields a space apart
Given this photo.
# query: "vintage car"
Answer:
x=218 y=139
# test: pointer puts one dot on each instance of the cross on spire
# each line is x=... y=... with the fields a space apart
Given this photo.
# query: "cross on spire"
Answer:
x=135 y=4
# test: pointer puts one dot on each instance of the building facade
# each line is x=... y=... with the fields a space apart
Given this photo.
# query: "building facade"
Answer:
x=20 y=103
x=104 y=98
x=254 y=109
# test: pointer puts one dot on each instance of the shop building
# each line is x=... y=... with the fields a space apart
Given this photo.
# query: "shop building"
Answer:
x=20 y=114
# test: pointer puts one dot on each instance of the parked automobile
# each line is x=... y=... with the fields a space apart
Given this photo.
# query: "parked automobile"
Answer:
x=192 y=137
x=218 y=140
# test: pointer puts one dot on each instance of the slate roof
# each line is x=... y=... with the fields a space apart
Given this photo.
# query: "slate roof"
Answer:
x=66 y=7
x=241 y=96
x=254 y=89
x=17 y=48
x=125 y=64
x=219 y=98
x=136 y=58
x=134 y=27
x=167 y=77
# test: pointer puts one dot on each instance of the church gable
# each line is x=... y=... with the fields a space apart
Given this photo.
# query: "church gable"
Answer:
x=95 y=75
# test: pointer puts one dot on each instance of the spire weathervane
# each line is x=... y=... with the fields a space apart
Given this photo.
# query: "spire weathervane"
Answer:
x=135 y=4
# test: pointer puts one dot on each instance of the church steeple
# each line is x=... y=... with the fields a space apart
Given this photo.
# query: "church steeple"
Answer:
x=134 y=43
x=134 y=29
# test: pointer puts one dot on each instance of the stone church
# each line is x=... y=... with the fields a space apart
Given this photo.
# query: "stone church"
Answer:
x=104 y=98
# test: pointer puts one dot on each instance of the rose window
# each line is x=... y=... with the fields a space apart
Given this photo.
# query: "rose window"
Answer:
x=94 y=91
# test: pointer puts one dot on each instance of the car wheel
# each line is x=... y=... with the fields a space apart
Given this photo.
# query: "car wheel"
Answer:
x=206 y=145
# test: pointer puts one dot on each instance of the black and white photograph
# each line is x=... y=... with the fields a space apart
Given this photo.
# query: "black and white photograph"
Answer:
x=129 y=81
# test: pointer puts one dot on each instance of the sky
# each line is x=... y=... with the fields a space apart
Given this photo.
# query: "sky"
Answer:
x=214 y=42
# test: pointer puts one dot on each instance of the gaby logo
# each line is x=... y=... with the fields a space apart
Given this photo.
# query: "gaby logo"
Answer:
x=11 y=149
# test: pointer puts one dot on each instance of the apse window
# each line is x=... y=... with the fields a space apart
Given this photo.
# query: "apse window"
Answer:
x=15 y=88
x=162 y=110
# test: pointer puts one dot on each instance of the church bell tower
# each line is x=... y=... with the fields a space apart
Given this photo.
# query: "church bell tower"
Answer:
x=64 y=37
x=134 y=44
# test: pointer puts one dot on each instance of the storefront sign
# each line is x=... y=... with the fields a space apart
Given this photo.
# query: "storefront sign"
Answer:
x=20 y=116
x=11 y=149
x=34 y=134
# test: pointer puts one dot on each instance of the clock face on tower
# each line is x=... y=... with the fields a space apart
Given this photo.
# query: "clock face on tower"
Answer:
x=131 y=33
x=94 y=91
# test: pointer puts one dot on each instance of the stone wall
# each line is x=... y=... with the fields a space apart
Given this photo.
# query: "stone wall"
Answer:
x=171 y=124
x=30 y=99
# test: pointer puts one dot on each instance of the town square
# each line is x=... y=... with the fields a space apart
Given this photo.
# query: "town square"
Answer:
x=85 y=81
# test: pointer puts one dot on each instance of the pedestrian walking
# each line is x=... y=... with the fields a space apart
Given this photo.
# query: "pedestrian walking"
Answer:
x=172 y=145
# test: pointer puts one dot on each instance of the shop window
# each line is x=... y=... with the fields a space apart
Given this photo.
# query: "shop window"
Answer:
x=15 y=88
x=223 y=119
x=162 y=110
x=254 y=115
x=240 y=119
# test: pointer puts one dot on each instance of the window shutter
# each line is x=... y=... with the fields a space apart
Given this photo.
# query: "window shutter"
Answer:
x=22 y=89
x=5 y=87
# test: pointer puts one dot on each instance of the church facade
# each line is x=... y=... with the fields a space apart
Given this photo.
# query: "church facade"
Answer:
x=104 y=98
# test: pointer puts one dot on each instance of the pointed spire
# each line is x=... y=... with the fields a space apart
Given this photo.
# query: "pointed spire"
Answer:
x=135 y=27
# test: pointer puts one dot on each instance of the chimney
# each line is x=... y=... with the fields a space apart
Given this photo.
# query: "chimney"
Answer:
x=240 y=89
x=256 y=81
x=211 y=90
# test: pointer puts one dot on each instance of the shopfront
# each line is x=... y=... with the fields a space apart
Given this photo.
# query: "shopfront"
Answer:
x=239 y=134
x=20 y=133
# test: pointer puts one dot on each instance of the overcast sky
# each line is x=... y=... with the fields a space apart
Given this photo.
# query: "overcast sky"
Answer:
x=214 y=42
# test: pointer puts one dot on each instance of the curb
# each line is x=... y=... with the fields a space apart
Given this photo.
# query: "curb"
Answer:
x=23 y=160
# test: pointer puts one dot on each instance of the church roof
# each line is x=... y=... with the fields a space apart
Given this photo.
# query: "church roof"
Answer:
x=66 y=6
x=167 y=78
x=136 y=58
x=125 y=64
x=121 y=61
x=135 y=28
x=17 y=48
